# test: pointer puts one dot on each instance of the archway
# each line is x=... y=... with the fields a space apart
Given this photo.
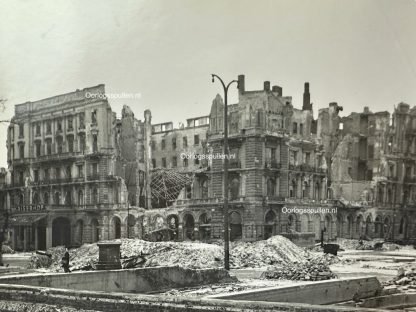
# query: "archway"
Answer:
x=116 y=228
x=340 y=224
x=173 y=224
x=350 y=229
x=61 y=232
x=368 y=229
x=236 y=228
x=79 y=232
x=304 y=223
x=387 y=228
x=328 y=227
x=359 y=226
x=317 y=226
x=95 y=231
x=378 y=227
x=204 y=227
x=188 y=226
x=403 y=227
x=269 y=224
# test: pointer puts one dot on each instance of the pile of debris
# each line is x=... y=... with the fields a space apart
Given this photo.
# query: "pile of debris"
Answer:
x=375 y=244
x=5 y=249
x=277 y=250
x=405 y=278
x=313 y=269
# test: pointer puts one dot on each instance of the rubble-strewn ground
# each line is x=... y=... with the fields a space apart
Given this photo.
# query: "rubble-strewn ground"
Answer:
x=250 y=260
x=137 y=253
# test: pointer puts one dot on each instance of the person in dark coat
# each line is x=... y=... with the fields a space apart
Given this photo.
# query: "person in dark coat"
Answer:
x=65 y=261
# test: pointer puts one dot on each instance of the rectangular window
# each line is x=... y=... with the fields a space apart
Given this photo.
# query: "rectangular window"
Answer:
x=47 y=175
x=59 y=125
x=94 y=168
x=57 y=173
x=163 y=144
x=36 y=175
x=301 y=129
x=22 y=151
x=68 y=172
x=196 y=162
x=80 y=171
x=81 y=143
x=37 y=129
x=48 y=127
x=81 y=121
x=70 y=124
x=196 y=139
x=174 y=161
x=185 y=141
x=70 y=140
x=38 y=148
x=173 y=143
x=153 y=145
x=21 y=130
x=185 y=162
x=307 y=158
x=154 y=163
x=295 y=127
x=164 y=162
x=48 y=147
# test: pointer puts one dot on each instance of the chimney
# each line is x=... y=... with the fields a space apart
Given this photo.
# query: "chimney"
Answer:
x=266 y=85
x=306 y=98
x=241 y=84
x=366 y=109
x=277 y=90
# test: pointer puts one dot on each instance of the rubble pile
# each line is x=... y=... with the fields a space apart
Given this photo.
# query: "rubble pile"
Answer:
x=5 y=249
x=313 y=269
x=375 y=244
x=405 y=278
x=277 y=250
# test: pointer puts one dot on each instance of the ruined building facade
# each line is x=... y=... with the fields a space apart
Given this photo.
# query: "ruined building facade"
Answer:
x=63 y=188
x=79 y=174
x=373 y=171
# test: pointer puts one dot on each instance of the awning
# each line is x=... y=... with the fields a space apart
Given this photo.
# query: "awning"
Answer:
x=26 y=219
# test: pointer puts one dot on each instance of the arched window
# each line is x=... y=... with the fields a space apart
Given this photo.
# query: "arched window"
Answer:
x=57 y=198
x=80 y=197
x=46 y=198
x=36 y=199
x=271 y=187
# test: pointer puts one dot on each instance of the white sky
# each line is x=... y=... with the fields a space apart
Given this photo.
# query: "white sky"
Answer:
x=355 y=52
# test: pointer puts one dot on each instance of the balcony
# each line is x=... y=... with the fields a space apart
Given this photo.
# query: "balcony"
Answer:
x=28 y=208
x=93 y=177
x=234 y=164
x=272 y=164
x=81 y=128
x=409 y=179
x=305 y=167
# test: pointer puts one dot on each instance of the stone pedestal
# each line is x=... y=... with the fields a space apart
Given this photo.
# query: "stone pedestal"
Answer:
x=109 y=256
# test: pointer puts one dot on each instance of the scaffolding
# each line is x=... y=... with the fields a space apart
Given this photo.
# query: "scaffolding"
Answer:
x=167 y=184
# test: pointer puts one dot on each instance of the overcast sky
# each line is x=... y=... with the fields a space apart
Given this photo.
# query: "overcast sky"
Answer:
x=357 y=53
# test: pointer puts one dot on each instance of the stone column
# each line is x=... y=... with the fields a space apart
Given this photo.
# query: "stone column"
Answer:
x=25 y=238
x=36 y=238
x=48 y=235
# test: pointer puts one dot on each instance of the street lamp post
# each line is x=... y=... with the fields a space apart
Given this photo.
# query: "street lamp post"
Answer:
x=225 y=192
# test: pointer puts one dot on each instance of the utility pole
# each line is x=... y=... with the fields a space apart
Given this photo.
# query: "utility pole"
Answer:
x=225 y=192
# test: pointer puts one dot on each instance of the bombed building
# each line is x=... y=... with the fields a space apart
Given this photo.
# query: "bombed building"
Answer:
x=373 y=172
x=63 y=188
x=79 y=174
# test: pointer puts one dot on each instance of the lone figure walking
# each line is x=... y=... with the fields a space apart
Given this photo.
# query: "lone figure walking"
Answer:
x=65 y=261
